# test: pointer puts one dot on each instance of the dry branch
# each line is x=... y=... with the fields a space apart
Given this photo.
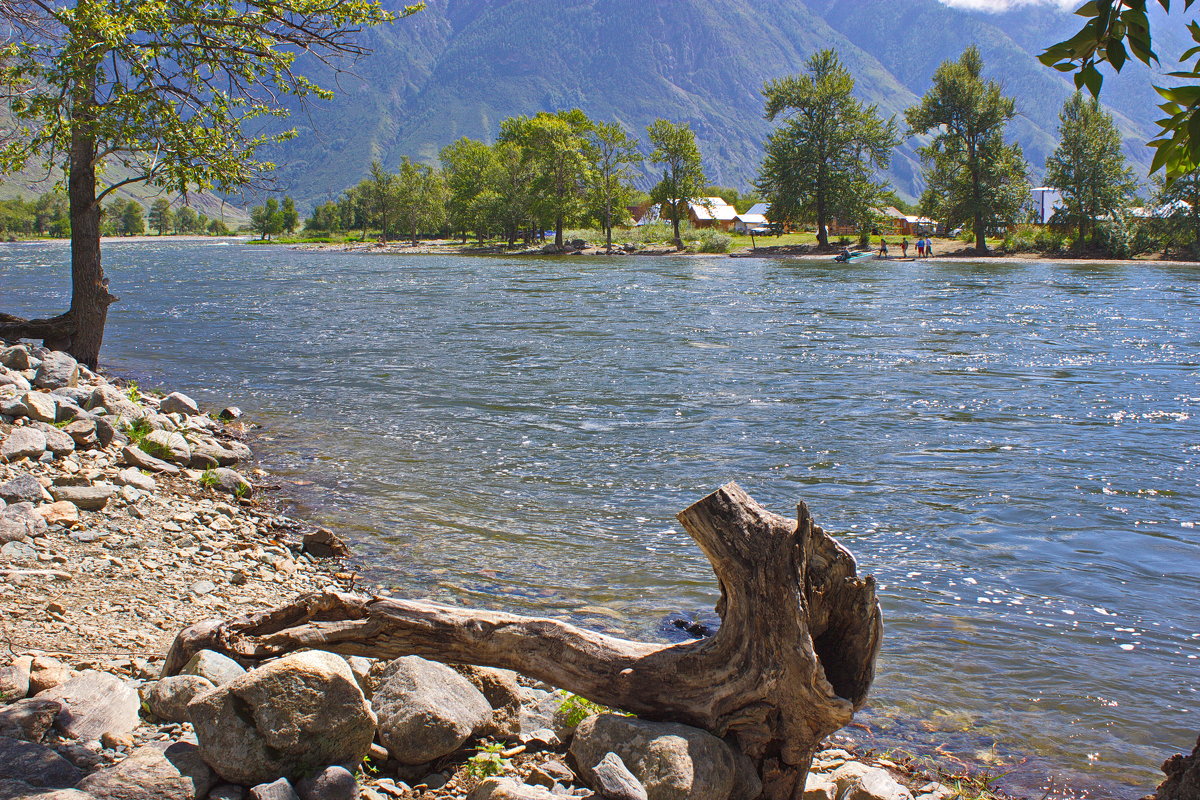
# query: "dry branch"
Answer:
x=792 y=661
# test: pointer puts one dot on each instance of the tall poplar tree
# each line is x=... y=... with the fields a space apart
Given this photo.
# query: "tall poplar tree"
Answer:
x=974 y=176
x=614 y=152
x=1088 y=167
x=683 y=178
x=820 y=162
x=162 y=91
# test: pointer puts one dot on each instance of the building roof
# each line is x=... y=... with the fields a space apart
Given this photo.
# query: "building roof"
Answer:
x=760 y=208
x=713 y=208
x=751 y=219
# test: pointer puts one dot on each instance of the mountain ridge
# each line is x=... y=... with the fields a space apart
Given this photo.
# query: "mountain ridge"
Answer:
x=461 y=66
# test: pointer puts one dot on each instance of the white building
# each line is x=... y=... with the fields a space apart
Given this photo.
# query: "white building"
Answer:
x=1046 y=200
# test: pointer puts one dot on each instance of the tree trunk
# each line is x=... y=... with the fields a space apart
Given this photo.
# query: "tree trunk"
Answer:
x=792 y=661
x=80 y=331
x=89 y=288
x=675 y=225
x=558 y=231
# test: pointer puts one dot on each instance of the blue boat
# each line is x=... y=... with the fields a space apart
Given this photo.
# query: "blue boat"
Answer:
x=856 y=256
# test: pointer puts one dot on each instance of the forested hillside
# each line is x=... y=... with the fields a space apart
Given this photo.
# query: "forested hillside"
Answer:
x=461 y=66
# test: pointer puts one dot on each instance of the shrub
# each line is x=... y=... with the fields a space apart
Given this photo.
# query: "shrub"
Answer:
x=714 y=241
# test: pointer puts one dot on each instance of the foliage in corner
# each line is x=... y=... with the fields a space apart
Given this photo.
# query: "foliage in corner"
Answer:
x=1117 y=30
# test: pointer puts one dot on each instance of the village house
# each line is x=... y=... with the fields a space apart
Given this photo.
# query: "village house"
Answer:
x=754 y=219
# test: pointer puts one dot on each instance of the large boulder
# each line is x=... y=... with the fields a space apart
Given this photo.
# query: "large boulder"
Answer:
x=672 y=761
x=57 y=441
x=83 y=433
x=168 y=698
x=14 y=379
x=287 y=718
x=216 y=667
x=21 y=489
x=16 y=357
x=179 y=403
x=510 y=789
x=40 y=406
x=427 y=710
x=156 y=771
x=95 y=703
x=856 y=781
x=115 y=402
x=136 y=457
x=168 y=446
x=235 y=483
x=56 y=371
x=87 y=498
x=35 y=764
x=22 y=443
x=20 y=521
x=1183 y=777
x=28 y=719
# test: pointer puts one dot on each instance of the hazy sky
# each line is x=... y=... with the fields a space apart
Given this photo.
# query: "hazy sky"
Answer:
x=1005 y=5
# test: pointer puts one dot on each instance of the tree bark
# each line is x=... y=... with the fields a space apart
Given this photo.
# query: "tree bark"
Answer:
x=792 y=661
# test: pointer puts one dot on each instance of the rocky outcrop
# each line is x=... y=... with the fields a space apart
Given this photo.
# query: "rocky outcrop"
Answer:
x=1183 y=777
x=284 y=719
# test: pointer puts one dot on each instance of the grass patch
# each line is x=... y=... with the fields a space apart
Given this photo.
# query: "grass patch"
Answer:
x=488 y=761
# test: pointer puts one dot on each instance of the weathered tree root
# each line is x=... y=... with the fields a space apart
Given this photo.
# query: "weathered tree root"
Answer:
x=792 y=661
x=55 y=332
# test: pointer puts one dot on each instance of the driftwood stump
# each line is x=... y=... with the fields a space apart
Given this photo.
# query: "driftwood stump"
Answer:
x=792 y=661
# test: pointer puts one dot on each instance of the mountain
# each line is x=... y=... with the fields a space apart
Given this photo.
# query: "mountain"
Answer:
x=461 y=66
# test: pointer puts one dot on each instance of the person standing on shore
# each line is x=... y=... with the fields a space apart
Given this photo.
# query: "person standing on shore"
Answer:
x=928 y=246
x=920 y=246
x=882 y=247
x=904 y=247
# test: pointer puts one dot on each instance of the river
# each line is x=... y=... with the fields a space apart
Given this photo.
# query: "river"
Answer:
x=1012 y=449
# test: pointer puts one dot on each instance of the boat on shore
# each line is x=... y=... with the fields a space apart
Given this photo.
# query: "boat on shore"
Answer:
x=855 y=257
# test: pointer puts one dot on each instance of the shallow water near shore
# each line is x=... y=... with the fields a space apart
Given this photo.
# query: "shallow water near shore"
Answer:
x=1011 y=449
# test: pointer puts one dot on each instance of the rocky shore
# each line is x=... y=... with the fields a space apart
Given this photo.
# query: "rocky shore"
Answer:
x=126 y=516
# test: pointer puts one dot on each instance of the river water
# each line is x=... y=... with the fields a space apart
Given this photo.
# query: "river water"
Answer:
x=1011 y=449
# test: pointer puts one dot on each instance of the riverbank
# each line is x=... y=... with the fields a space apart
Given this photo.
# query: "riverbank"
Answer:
x=122 y=523
x=945 y=251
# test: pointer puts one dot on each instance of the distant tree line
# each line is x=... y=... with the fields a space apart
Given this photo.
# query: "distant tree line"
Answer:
x=47 y=215
x=822 y=164
x=545 y=172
